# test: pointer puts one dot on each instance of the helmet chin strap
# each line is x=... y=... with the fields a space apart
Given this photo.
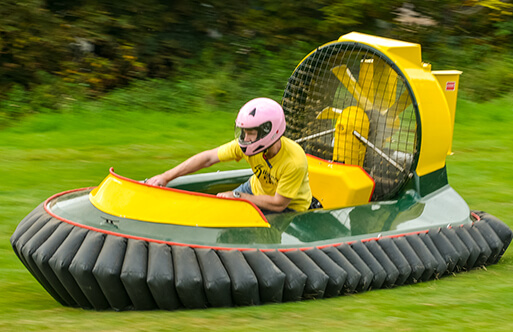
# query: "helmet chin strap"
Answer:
x=267 y=150
x=265 y=158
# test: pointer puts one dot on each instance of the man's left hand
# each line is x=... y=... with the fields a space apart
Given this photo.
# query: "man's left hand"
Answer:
x=226 y=194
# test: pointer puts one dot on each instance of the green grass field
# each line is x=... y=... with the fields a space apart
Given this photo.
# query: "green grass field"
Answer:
x=44 y=154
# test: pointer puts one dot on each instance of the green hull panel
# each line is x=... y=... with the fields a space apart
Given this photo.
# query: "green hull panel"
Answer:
x=409 y=213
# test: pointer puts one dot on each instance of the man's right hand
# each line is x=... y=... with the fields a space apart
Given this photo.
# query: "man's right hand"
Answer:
x=193 y=164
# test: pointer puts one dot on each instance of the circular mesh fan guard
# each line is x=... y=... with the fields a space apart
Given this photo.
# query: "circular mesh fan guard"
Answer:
x=347 y=102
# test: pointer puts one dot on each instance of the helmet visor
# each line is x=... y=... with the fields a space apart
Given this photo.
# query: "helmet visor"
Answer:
x=248 y=136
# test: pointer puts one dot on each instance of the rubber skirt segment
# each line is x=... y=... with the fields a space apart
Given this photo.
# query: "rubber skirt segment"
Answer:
x=92 y=270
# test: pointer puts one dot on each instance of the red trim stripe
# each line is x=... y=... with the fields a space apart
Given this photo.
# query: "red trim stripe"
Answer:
x=475 y=215
x=99 y=230
x=204 y=246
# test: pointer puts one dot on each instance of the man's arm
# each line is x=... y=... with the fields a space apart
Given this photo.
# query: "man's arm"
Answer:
x=195 y=163
x=276 y=203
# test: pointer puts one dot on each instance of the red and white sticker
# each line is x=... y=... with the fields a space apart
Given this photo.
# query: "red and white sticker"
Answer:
x=450 y=86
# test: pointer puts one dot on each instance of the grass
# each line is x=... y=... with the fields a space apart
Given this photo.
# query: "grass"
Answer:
x=49 y=153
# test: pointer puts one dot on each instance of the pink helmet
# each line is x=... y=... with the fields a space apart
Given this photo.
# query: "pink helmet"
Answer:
x=264 y=115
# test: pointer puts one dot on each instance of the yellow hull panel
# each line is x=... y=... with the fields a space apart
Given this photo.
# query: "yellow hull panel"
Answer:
x=338 y=185
x=130 y=199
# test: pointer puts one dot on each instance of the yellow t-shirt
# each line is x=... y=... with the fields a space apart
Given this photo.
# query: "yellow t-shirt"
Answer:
x=288 y=175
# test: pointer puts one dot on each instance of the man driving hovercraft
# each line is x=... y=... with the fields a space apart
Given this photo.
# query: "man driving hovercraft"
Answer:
x=280 y=169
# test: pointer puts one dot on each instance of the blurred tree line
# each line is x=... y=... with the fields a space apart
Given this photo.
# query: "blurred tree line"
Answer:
x=54 y=50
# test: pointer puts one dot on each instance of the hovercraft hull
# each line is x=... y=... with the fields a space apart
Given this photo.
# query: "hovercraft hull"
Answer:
x=86 y=258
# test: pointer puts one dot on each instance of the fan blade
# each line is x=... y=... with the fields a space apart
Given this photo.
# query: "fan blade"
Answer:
x=392 y=114
x=345 y=77
x=399 y=106
x=329 y=113
x=385 y=81
x=366 y=78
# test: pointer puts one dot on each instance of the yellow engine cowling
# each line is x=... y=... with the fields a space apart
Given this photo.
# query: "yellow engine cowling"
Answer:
x=338 y=185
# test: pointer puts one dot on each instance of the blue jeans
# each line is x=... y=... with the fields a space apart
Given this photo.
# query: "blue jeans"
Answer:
x=244 y=188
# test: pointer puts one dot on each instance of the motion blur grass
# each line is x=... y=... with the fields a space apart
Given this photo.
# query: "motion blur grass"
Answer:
x=48 y=153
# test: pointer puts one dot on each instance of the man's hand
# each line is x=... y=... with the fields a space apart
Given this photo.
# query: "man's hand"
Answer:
x=226 y=194
x=157 y=180
x=276 y=203
x=193 y=164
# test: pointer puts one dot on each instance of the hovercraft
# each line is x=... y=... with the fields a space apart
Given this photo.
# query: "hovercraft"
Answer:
x=376 y=124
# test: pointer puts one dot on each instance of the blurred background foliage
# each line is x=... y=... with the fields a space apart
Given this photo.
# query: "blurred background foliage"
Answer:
x=54 y=53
